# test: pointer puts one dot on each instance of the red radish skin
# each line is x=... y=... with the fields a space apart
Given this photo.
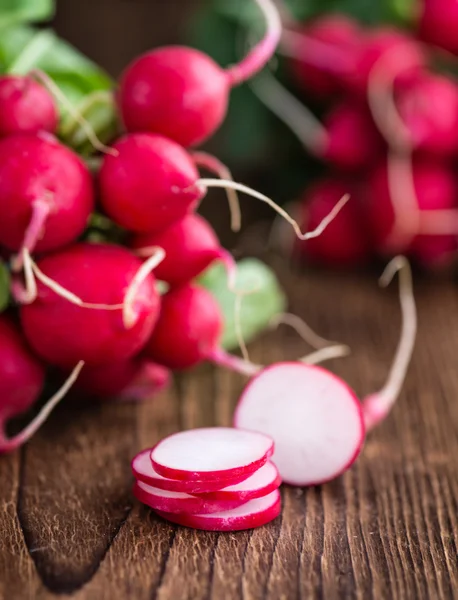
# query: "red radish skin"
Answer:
x=438 y=23
x=178 y=502
x=182 y=93
x=262 y=482
x=25 y=106
x=212 y=452
x=63 y=333
x=143 y=470
x=254 y=513
x=149 y=184
x=46 y=193
x=345 y=241
x=190 y=246
x=315 y=420
x=134 y=379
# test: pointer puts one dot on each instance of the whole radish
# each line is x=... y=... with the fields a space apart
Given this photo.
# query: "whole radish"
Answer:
x=182 y=93
x=46 y=194
x=25 y=106
x=438 y=23
x=345 y=242
x=190 y=246
x=63 y=332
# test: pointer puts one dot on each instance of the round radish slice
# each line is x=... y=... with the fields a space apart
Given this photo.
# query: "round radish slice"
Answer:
x=143 y=470
x=212 y=452
x=178 y=502
x=263 y=482
x=251 y=514
x=314 y=418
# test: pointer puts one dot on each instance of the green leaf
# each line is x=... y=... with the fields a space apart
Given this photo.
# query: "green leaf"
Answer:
x=257 y=308
x=4 y=286
x=14 y=12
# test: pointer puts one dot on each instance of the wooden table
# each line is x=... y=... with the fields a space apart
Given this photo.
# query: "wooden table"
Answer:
x=387 y=529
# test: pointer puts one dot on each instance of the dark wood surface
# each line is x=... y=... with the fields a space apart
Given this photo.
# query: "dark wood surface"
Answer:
x=387 y=529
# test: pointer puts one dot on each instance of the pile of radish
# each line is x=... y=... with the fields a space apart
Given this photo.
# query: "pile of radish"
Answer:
x=379 y=108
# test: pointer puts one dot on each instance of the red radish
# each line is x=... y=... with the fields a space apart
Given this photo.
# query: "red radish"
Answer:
x=262 y=482
x=143 y=470
x=438 y=23
x=46 y=194
x=25 y=106
x=182 y=93
x=325 y=53
x=190 y=246
x=212 y=452
x=316 y=421
x=179 y=502
x=21 y=382
x=345 y=241
x=254 y=513
x=134 y=379
x=63 y=332
x=149 y=184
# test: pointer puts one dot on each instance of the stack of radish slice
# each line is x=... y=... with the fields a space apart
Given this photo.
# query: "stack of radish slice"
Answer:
x=216 y=478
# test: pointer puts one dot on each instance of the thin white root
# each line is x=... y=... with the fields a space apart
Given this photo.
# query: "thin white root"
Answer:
x=212 y=164
x=30 y=282
x=295 y=115
x=319 y=356
x=302 y=329
x=221 y=183
x=128 y=315
x=378 y=405
x=78 y=118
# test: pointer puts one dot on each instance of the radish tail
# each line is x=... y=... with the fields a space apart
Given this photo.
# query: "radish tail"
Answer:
x=377 y=406
x=319 y=356
x=40 y=211
x=302 y=329
x=234 y=363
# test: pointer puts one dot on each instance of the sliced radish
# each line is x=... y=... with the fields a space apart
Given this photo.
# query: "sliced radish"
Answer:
x=144 y=471
x=178 y=502
x=212 y=452
x=251 y=514
x=314 y=418
x=263 y=482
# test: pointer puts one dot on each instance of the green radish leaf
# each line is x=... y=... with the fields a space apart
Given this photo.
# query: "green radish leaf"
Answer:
x=4 y=286
x=257 y=308
x=14 y=12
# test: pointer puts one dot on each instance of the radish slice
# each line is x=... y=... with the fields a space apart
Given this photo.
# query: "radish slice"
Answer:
x=212 y=452
x=313 y=416
x=177 y=502
x=143 y=470
x=251 y=514
x=263 y=482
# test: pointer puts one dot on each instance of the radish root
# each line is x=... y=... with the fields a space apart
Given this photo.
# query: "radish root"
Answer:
x=40 y=211
x=212 y=164
x=328 y=353
x=8 y=445
x=377 y=406
x=302 y=329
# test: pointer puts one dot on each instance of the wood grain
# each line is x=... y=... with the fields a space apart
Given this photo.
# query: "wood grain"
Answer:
x=387 y=529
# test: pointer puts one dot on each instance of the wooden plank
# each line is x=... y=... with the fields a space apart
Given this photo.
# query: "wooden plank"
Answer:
x=387 y=529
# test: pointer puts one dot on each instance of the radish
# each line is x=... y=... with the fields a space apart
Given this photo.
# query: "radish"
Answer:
x=63 y=331
x=21 y=382
x=209 y=453
x=46 y=194
x=345 y=241
x=182 y=93
x=134 y=379
x=144 y=471
x=25 y=106
x=190 y=246
x=316 y=421
x=438 y=23
x=254 y=513
x=179 y=502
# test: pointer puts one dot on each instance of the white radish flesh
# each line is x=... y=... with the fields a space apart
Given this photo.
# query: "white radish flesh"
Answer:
x=251 y=514
x=313 y=417
x=144 y=471
x=209 y=453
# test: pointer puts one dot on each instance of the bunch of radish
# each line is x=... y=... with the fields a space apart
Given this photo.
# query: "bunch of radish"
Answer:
x=217 y=478
x=372 y=106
